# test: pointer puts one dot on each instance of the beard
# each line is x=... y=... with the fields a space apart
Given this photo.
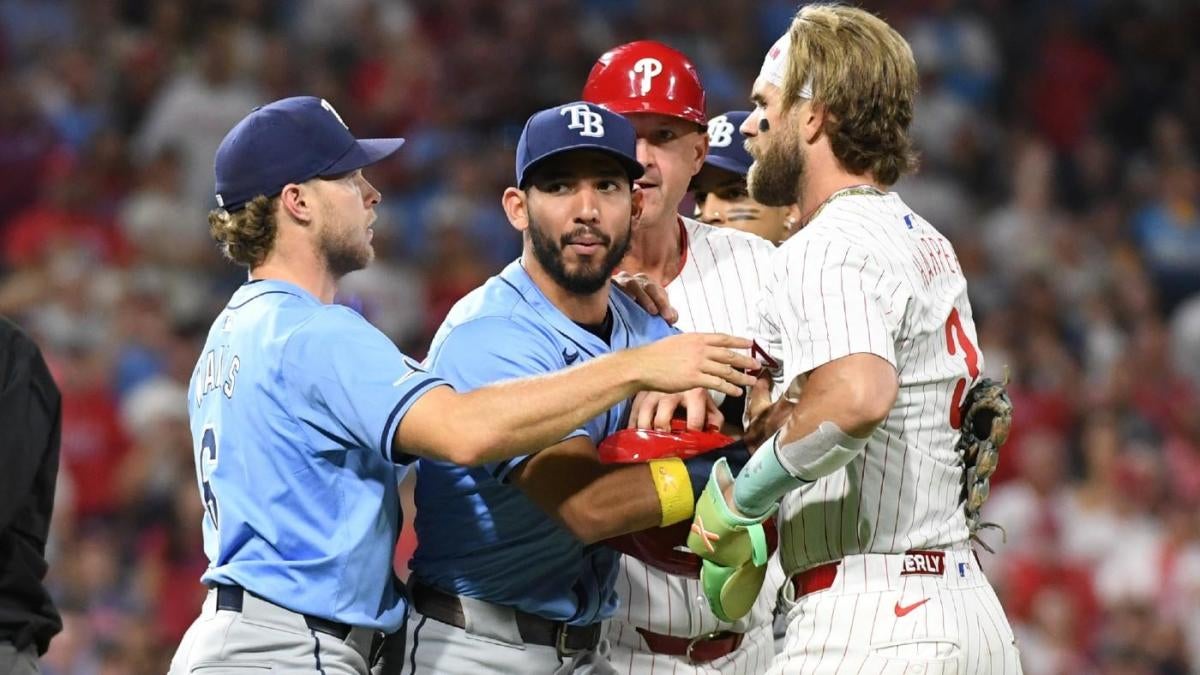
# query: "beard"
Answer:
x=344 y=251
x=586 y=277
x=774 y=178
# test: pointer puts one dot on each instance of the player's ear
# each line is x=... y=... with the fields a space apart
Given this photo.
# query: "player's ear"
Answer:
x=297 y=202
x=812 y=118
x=793 y=213
x=701 y=152
x=516 y=208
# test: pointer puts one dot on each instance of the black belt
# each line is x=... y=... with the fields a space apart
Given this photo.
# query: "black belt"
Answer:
x=230 y=598
x=447 y=608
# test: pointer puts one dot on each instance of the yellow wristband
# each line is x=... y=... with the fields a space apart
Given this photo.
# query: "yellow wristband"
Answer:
x=674 y=488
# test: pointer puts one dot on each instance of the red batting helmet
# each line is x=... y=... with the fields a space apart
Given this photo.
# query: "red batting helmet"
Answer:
x=659 y=546
x=647 y=76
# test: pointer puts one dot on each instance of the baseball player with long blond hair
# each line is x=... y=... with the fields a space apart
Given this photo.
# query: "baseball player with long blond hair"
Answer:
x=867 y=306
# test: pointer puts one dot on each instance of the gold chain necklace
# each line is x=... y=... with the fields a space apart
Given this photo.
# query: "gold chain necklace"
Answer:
x=852 y=191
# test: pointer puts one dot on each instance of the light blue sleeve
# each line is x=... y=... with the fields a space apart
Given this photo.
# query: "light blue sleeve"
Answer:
x=659 y=329
x=644 y=327
x=347 y=384
x=493 y=349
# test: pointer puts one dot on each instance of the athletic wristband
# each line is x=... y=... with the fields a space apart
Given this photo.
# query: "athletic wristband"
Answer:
x=674 y=489
x=774 y=471
x=763 y=481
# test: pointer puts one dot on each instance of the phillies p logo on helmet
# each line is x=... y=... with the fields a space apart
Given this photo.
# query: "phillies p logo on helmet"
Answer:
x=649 y=69
x=646 y=77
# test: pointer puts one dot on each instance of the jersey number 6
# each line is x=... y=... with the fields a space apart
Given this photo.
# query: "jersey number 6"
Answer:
x=208 y=462
x=956 y=338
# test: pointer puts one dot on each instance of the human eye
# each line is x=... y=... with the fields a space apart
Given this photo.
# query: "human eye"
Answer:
x=734 y=194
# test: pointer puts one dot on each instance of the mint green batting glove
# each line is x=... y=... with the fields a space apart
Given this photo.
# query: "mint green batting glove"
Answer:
x=734 y=549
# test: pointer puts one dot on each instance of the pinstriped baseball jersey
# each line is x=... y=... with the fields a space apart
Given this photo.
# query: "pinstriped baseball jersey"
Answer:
x=717 y=290
x=718 y=287
x=869 y=275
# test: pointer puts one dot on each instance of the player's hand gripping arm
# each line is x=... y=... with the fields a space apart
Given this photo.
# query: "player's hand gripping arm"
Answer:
x=525 y=415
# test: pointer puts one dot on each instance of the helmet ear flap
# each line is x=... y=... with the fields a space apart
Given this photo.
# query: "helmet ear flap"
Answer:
x=647 y=77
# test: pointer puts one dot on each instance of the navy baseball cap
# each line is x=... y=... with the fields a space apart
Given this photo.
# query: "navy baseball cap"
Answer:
x=577 y=126
x=727 y=145
x=289 y=141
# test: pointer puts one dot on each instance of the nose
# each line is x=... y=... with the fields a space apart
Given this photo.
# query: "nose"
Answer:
x=750 y=125
x=371 y=196
x=709 y=212
x=589 y=206
x=645 y=156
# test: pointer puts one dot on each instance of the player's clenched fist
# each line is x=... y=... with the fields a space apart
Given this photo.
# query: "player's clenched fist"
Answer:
x=683 y=362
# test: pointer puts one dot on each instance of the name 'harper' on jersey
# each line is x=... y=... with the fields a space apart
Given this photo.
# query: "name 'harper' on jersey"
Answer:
x=933 y=256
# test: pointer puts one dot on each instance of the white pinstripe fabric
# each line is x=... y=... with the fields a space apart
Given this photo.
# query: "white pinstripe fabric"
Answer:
x=717 y=290
x=861 y=278
x=853 y=626
x=867 y=275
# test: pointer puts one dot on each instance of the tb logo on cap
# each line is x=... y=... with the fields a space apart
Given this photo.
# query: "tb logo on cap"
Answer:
x=583 y=118
x=720 y=132
x=649 y=69
x=326 y=105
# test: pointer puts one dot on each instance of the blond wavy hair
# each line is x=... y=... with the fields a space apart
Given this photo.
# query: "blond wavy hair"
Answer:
x=863 y=74
x=247 y=235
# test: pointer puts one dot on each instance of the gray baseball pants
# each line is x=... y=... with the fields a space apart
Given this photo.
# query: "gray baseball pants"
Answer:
x=265 y=637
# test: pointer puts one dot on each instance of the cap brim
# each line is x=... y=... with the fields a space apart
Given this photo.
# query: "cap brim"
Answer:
x=364 y=152
x=710 y=177
x=727 y=163
x=631 y=165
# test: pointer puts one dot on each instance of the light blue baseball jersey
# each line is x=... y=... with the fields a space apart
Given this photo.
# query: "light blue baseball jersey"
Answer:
x=293 y=407
x=478 y=535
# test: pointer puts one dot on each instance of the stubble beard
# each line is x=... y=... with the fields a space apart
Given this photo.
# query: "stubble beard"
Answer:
x=775 y=175
x=344 y=252
x=585 y=279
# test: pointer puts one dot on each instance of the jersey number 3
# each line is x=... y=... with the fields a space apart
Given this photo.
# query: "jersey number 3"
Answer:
x=207 y=463
x=956 y=340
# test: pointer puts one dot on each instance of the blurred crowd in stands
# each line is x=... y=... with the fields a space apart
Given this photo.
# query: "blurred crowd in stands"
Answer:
x=1059 y=143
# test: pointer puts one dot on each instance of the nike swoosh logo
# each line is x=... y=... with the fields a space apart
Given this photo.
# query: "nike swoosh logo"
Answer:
x=570 y=357
x=902 y=610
